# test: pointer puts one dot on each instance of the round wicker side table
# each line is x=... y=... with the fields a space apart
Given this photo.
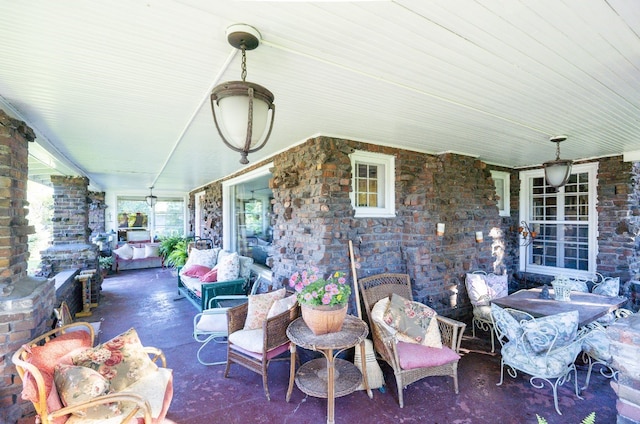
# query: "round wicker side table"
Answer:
x=330 y=377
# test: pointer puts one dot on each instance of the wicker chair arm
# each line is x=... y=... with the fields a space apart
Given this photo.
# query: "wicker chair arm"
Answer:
x=236 y=317
x=385 y=344
x=275 y=328
x=140 y=405
x=155 y=354
x=451 y=332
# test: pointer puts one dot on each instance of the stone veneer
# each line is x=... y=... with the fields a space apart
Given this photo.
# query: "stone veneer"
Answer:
x=26 y=303
x=70 y=246
x=313 y=219
x=625 y=348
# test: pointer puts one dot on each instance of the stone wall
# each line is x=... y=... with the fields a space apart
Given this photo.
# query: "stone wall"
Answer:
x=313 y=219
x=97 y=208
x=624 y=336
x=26 y=303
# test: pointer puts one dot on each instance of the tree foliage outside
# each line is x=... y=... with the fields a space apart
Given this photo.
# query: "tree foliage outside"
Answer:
x=40 y=198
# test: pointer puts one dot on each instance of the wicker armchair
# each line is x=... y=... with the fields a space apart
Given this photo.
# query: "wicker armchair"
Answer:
x=386 y=344
x=274 y=341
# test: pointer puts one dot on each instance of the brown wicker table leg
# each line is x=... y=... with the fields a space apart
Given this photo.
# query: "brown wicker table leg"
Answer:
x=292 y=369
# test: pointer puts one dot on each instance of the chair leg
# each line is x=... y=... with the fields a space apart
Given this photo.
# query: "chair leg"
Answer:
x=205 y=343
x=473 y=327
x=400 y=390
x=265 y=383
x=455 y=377
x=589 y=369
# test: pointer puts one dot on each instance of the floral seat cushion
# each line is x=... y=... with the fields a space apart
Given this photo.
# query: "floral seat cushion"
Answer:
x=596 y=345
x=549 y=365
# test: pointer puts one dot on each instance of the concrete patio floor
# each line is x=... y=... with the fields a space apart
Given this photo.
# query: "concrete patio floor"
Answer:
x=144 y=299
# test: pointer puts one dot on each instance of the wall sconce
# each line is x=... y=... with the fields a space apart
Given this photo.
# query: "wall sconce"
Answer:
x=151 y=199
x=242 y=117
x=479 y=237
x=558 y=171
x=440 y=229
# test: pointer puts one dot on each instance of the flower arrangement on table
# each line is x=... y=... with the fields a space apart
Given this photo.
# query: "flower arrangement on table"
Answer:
x=323 y=302
x=315 y=291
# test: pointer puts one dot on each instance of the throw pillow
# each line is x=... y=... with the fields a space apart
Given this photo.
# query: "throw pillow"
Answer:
x=413 y=320
x=228 y=267
x=506 y=323
x=78 y=385
x=138 y=253
x=477 y=289
x=195 y=271
x=210 y=277
x=121 y=360
x=552 y=331
x=245 y=267
x=498 y=285
x=151 y=250
x=125 y=251
x=282 y=305
x=609 y=287
x=258 y=308
x=205 y=257
x=47 y=356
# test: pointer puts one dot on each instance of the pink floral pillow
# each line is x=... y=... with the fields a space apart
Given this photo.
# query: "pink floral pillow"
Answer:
x=259 y=306
x=228 y=267
x=210 y=277
x=121 y=360
x=413 y=320
x=196 y=271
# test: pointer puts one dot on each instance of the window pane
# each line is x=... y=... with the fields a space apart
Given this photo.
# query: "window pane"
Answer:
x=368 y=187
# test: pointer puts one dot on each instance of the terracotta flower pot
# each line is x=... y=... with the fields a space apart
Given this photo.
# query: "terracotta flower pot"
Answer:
x=323 y=319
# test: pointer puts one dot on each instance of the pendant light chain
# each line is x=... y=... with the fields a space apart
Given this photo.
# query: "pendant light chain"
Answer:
x=244 y=63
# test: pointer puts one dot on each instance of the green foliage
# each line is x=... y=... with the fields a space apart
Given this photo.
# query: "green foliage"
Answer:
x=589 y=419
x=105 y=262
x=168 y=244
x=178 y=256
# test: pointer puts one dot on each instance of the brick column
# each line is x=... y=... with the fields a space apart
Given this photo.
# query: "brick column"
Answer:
x=625 y=348
x=26 y=303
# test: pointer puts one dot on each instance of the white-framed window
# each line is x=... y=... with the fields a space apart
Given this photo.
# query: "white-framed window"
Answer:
x=564 y=223
x=501 y=181
x=373 y=184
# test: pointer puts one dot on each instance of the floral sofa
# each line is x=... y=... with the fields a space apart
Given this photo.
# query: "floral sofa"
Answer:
x=70 y=381
x=210 y=273
x=137 y=255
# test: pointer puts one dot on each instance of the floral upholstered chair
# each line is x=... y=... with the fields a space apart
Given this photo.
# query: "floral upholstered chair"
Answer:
x=595 y=348
x=544 y=348
x=482 y=288
x=412 y=357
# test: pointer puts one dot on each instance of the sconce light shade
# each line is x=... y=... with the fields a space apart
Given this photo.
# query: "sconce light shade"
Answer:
x=243 y=112
x=440 y=229
x=151 y=199
x=558 y=171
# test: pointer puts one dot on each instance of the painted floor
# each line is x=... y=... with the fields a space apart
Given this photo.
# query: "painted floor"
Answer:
x=145 y=299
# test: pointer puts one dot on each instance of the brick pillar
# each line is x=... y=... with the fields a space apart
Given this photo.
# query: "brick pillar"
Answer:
x=71 y=247
x=26 y=303
x=625 y=348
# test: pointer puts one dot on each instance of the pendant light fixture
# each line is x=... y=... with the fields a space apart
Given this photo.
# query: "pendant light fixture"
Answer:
x=151 y=199
x=241 y=109
x=558 y=171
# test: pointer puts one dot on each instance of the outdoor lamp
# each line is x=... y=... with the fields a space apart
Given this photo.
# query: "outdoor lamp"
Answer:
x=243 y=111
x=557 y=171
x=151 y=199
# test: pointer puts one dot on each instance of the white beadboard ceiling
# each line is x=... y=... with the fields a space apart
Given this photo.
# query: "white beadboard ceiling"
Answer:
x=118 y=90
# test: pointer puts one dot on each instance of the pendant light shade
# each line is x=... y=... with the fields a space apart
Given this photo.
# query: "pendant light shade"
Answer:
x=151 y=199
x=243 y=112
x=558 y=171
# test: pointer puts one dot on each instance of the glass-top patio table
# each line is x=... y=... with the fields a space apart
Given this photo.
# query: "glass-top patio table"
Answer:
x=590 y=306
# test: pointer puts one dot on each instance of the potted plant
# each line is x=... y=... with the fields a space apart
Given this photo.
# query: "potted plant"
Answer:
x=323 y=302
x=106 y=262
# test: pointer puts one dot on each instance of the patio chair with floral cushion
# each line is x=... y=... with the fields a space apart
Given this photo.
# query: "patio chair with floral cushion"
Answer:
x=409 y=336
x=544 y=348
x=482 y=288
x=607 y=286
x=595 y=348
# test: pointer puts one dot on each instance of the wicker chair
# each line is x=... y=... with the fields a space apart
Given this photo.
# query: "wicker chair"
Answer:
x=274 y=341
x=381 y=286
